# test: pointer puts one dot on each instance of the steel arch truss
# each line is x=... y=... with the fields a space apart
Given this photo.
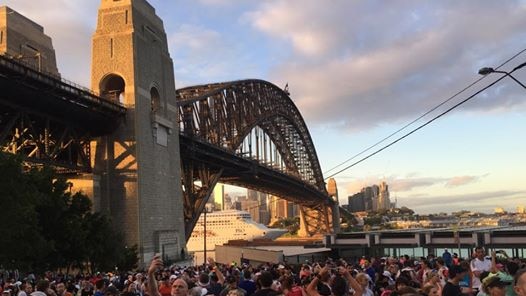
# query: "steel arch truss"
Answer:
x=224 y=114
x=42 y=140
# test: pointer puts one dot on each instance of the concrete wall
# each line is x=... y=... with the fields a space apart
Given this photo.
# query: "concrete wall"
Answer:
x=229 y=254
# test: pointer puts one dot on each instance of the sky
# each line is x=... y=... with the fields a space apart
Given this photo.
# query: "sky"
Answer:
x=358 y=71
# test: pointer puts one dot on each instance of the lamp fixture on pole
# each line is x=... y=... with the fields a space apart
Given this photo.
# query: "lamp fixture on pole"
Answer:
x=489 y=70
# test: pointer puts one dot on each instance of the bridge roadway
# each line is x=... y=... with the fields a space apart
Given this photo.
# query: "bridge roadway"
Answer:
x=249 y=173
x=27 y=89
x=50 y=120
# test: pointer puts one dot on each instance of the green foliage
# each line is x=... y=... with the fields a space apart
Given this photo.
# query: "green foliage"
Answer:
x=22 y=239
x=372 y=221
x=129 y=258
x=45 y=227
x=292 y=224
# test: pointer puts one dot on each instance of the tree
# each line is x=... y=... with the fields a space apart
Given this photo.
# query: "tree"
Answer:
x=292 y=224
x=406 y=211
x=45 y=227
x=22 y=240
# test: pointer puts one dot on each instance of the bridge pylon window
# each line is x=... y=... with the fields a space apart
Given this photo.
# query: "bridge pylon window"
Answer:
x=112 y=87
x=155 y=100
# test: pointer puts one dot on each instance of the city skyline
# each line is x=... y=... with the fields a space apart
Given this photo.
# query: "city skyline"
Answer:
x=357 y=71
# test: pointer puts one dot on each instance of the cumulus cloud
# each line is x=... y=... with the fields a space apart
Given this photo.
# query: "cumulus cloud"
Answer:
x=365 y=66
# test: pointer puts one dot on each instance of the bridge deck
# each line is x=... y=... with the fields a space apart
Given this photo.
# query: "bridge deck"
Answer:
x=23 y=87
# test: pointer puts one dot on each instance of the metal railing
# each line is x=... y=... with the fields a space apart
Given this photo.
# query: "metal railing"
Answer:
x=25 y=68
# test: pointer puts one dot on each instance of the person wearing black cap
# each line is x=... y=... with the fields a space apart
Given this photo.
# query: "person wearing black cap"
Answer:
x=452 y=287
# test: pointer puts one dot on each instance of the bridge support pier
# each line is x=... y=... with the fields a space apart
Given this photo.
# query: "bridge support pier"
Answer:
x=317 y=220
x=139 y=164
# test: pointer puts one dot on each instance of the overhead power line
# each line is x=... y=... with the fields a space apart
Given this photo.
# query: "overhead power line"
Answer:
x=416 y=129
x=416 y=119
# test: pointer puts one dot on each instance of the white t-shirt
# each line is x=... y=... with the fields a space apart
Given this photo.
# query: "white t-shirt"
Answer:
x=479 y=265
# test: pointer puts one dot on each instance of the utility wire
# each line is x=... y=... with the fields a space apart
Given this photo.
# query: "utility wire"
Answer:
x=420 y=117
x=418 y=128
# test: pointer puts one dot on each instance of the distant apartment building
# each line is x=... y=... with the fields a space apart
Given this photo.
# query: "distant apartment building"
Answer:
x=256 y=204
x=218 y=197
x=384 y=201
x=356 y=202
x=371 y=198
x=281 y=208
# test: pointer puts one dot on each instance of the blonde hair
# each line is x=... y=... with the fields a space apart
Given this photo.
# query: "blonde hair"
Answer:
x=235 y=292
x=427 y=288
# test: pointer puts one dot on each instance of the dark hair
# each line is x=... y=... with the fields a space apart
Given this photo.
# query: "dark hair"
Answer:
x=204 y=278
x=339 y=286
x=265 y=279
x=426 y=262
x=232 y=279
x=512 y=267
x=454 y=270
x=402 y=280
x=247 y=274
x=519 y=273
x=42 y=285
x=214 y=277
x=99 y=284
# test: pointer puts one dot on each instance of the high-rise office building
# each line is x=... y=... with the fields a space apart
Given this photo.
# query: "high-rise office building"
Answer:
x=281 y=208
x=356 y=202
x=257 y=206
x=371 y=198
x=219 y=197
x=384 y=202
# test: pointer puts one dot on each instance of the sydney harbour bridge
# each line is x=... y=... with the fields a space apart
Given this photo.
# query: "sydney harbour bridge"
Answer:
x=151 y=154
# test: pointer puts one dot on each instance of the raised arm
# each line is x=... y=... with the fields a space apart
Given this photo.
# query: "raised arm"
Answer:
x=358 y=290
x=312 y=289
x=215 y=269
x=493 y=268
x=156 y=264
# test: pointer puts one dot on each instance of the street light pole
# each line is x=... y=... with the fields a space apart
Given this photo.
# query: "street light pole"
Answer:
x=204 y=236
x=489 y=70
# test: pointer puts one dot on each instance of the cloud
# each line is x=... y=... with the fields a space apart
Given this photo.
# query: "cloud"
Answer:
x=70 y=25
x=203 y=55
x=480 y=201
x=364 y=66
x=403 y=185
x=461 y=180
x=396 y=184
x=218 y=2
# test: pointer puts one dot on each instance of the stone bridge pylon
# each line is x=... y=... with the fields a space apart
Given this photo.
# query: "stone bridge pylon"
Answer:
x=136 y=170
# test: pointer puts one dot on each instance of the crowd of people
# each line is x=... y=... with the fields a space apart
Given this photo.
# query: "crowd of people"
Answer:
x=447 y=275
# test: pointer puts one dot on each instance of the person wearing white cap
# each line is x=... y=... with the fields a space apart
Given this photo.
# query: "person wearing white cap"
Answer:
x=390 y=280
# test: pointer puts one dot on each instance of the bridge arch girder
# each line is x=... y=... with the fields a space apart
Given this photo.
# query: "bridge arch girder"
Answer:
x=225 y=113
x=218 y=117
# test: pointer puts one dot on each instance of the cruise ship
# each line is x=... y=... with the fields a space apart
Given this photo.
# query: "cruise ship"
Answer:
x=222 y=226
